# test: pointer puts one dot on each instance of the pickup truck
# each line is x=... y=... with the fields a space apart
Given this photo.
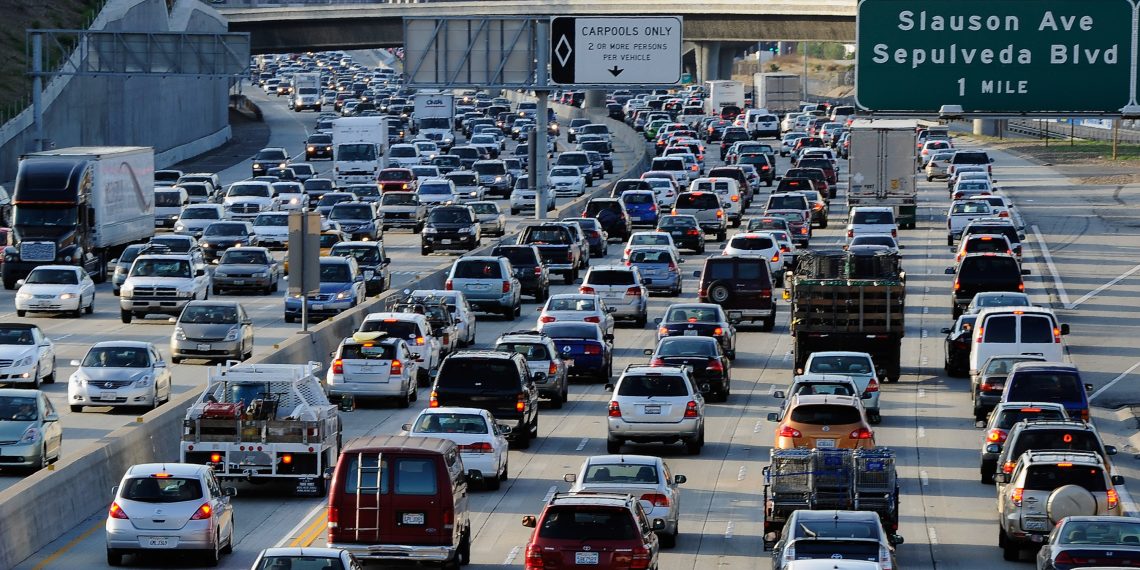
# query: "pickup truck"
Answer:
x=961 y=213
x=557 y=246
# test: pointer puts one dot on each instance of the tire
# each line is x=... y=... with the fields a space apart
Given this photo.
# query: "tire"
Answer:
x=216 y=290
x=508 y=313
x=986 y=473
x=290 y=319
x=523 y=440
x=423 y=379
x=229 y=548
x=114 y=558
x=557 y=401
x=700 y=249
x=126 y=316
x=642 y=321
x=90 y=306
x=719 y=293
x=875 y=418
x=823 y=224
x=613 y=446
x=406 y=400
x=21 y=313
x=668 y=540
x=569 y=278
x=115 y=292
x=950 y=241
x=721 y=235
x=176 y=359
x=213 y=556
x=1009 y=551
x=693 y=447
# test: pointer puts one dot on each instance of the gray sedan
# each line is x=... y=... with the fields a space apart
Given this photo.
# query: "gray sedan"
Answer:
x=642 y=476
x=212 y=330
x=29 y=420
x=247 y=269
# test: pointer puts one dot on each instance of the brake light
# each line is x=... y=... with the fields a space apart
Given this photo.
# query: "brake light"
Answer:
x=872 y=386
x=735 y=198
x=1016 y=496
x=717 y=331
x=720 y=213
x=862 y=433
x=447 y=285
x=657 y=499
x=116 y=512
x=592 y=349
x=215 y=458
x=615 y=410
x=520 y=405
x=338 y=366
x=546 y=319
x=202 y=513
x=1007 y=467
x=635 y=291
x=789 y=431
x=639 y=559
x=1021 y=287
x=714 y=365
x=538 y=270
x=586 y=290
x=593 y=319
x=1085 y=415
x=553 y=368
x=803 y=230
x=663 y=331
x=657 y=361
x=433 y=400
x=996 y=435
x=957 y=286
x=396 y=368
x=776 y=257
x=894 y=233
x=1056 y=335
x=333 y=517
x=691 y=410
x=1113 y=499
x=1003 y=214
x=693 y=232
x=506 y=286
x=477 y=447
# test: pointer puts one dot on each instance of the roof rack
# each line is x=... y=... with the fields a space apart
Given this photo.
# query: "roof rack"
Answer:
x=526 y=332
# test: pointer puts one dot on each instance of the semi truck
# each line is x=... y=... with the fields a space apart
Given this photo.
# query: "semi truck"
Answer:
x=79 y=206
x=725 y=98
x=306 y=92
x=779 y=93
x=853 y=299
x=881 y=167
x=264 y=422
x=358 y=149
x=434 y=112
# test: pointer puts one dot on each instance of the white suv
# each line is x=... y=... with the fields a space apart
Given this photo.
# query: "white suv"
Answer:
x=415 y=330
x=655 y=404
x=757 y=244
x=621 y=288
x=871 y=220
x=162 y=283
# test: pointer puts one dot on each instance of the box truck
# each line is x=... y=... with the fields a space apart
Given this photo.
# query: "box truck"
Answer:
x=779 y=93
x=434 y=112
x=881 y=167
x=725 y=98
x=358 y=149
x=306 y=92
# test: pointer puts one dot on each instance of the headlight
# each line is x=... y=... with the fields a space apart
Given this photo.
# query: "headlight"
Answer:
x=24 y=296
x=429 y=230
x=127 y=291
x=79 y=379
x=233 y=334
x=143 y=382
x=261 y=274
x=206 y=244
x=498 y=179
x=295 y=296
x=31 y=435
x=25 y=361
x=179 y=334
x=466 y=230
x=186 y=293
x=343 y=295
x=66 y=296
x=179 y=227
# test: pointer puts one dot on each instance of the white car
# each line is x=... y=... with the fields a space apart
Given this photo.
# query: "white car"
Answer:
x=373 y=365
x=30 y=356
x=247 y=199
x=757 y=244
x=663 y=239
x=482 y=440
x=291 y=196
x=436 y=191
x=456 y=303
x=577 y=307
x=567 y=181
x=665 y=190
x=646 y=477
x=404 y=155
x=196 y=217
x=789 y=141
x=867 y=220
x=416 y=331
x=120 y=373
x=272 y=229
x=56 y=289
x=466 y=184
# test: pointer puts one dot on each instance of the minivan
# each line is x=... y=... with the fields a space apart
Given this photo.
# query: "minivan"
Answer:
x=706 y=207
x=401 y=498
x=1048 y=382
x=1016 y=330
x=978 y=272
x=741 y=285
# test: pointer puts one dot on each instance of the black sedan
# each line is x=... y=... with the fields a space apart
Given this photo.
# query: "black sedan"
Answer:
x=686 y=231
x=698 y=319
x=1086 y=541
x=958 y=346
x=318 y=145
x=711 y=368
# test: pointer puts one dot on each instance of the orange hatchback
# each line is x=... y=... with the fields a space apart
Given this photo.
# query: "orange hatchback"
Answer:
x=823 y=421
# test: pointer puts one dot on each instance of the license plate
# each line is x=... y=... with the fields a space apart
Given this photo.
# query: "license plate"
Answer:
x=583 y=558
x=445 y=241
x=678 y=233
x=318 y=307
x=413 y=518
x=1034 y=524
x=690 y=333
x=239 y=281
x=203 y=347
x=821 y=443
x=159 y=542
x=479 y=287
x=653 y=410
x=107 y=395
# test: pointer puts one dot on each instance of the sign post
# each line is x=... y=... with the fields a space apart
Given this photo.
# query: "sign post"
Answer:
x=996 y=57
x=615 y=50
x=304 y=259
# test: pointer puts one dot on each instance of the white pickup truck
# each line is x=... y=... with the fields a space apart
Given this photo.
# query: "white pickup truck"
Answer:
x=961 y=213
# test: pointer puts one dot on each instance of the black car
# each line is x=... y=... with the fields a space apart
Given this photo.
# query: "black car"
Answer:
x=450 y=228
x=526 y=261
x=315 y=188
x=318 y=146
x=626 y=184
x=686 y=231
x=731 y=135
x=373 y=262
x=712 y=369
x=980 y=272
x=958 y=341
x=499 y=382
x=220 y=236
x=698 y=319
x=615 y=112
x=595 y=235
x=611 y=213
x=764 y=164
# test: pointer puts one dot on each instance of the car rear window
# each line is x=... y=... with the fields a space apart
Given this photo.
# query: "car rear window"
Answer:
x=989 y=269
x=618 y=473
x=1001 y=329
x=394 y=327
x=1044 y=386
x=518 y=255
x=752 y=243
x=1010 y=416
x=161 y=489
x=551 y=236
x=476 y=373
x=697 y=200
x=982 y=245
x=1055 y=438
x=668 y=164
x=530 y=350
x=477 y=270
x=662 y=385
x=970 y=158
x=1036 y=329
x=451 y=423
x=586 y=522
x=825 y=414
x=577 y=331
x=779 y=202
x=637 y=198
x=873 y=217
x=835 y=529
x=1048 y=477
x=610 y=277
x=650 y=256
x=368 y=352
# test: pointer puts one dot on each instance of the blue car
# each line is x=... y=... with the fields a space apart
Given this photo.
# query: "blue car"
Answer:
x=342 y=287
x=642 y=207
x=659 y=268
x=1055 y=382
x=583 y=343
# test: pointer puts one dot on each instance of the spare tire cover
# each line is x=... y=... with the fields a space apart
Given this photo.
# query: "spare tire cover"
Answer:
x=1070 y=501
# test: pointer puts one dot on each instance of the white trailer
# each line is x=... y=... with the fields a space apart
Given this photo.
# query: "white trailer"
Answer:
x=779 y=93
x=358 y=149
x=306 y=92
x=434 y=112
x=881 y=167
x=723 y=93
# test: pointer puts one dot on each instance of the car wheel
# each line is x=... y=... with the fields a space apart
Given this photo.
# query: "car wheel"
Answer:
x=1009 y=551
x=508 y=313
x=76 y=409
x=721 y=235
x=176 y=359
x=90 y=306
x=669 y=540
x=126 y=317
x=21 y=313
x=700 y=249
x=290 y=319
x=405 y=400
x=423 y=378
x=214 y=555
x=719 y=293
x=229 y=549
x=114 y=558
x=613 y=446
x=492 y=483
x=693 y=446
x=875 y=418
x=523 y=439
x=425 y=251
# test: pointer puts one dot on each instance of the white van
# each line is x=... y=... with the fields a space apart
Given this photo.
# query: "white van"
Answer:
x=1017 y=330
x=728 y=190
x=168 y=204
x=760 y=123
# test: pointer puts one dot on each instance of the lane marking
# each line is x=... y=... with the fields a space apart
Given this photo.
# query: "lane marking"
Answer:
x=514 y=553
x=582 y=444
x=921 y=432
x=740 y=474
x=295 y=531
x=925 y=360
x=921 y=393
x=930 y=532
x=1113 y=382
x=729 y=530
x=312 y=532
x=1098 y=290
x=924 y=333
x=1060 y=287
x=759 y=423
x=550 y=493
x=1130 y=508
x=75 y=541
x=925 y=478
x=926 y=310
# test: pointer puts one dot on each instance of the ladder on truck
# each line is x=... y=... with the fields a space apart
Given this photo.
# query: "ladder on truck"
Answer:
x=368 y=483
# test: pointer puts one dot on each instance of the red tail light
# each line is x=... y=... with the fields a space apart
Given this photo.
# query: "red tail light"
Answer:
x=789 y=431
x=691 y=410
x=720 y=213
x=714 y=365
x=1113 y=499
x=202 y=513
x=639 y=560
x=433 y=400
x=693 y=233
x=635 y=291
x=996 y=435
x=718 y=331
x=338 y=366
x=116 y=512
x=397 y=367
x=520 y=405
x=593 y=319
x=1065 y=558
x=1085 y=415
x=775 y=258
x=872 y=386
x=1016 y=496
x=804 y=230
x=592 y=349
x=615 y=410
x=1021 y=287
x=665 y=331
x=534 y=557
x=477 y=447
x=850 y=234
x=894 y=233
x=1007 y=468
x=569 y=256
x=657 y=499
x=333 y=517
x=862 y=433
x=657 y=362
x=586 y=290
x=766 y=293
x=447 y=285
x=553 y=368
x=446 y=338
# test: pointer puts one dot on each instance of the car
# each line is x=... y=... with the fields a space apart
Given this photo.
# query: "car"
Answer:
x=937 y=165
x=621 y=288
x=885 y=241
x=645 y=477
x=741 y=286
x=246 y=199
x=443 y=323
x=175 y=243
x=247 y=269
x=529 y=269
x=871 y=220
x=415 y=330
x=1001 y=421
x=374 y=365
x=978 y=272
x=655 y=404
x=698 y=319
x=858 y=366
x=499 y=382
x=341 y=288
x=659 y=267
x=710 y=366
x=685 y=231
x=789 y=140
x=373 y=261
x=195 y=217
x=489 y=284
x=304 y=557
x=707 y=208
x=481 y=439
x=961 y=213
x=641 y=206
x=822 y=421
x=467 y=185
x=30 y=425
x=56 y=289
x=612 y=214
x=196 y=510
x=222 y=235
x=291 y=196
x=318 y=145
x=460 y=309
x=577 y=307
x=988 y=382
x=600 y=530
x=1017 y=330
x=523 y=198
x=1049 y=382
x=596 y=237
x=832 y=384
x=761 y=245
x=959 y=341
x=451 y=227
x=587 y=349
x=270 y=157
x=396 y=180
x=547 y=367
x=840 y=537
x=798 y=224
x=567 y=181
x=492 y=221
x=272 y=229
x=360 y=220
x=990 y=299
x=1099 y=539
x=1047 y=486
x=120 y=373
x=493 y=176
x=212 y=330
x=163 y=283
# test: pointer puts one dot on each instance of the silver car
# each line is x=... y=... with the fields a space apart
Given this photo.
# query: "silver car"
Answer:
x=489 y=284
x=165 y=506
x=29 y=426
x=643 y=476
x=212 y=330
x=655 y=404
x=491 y=218
x=120 y=373
x=855 y=365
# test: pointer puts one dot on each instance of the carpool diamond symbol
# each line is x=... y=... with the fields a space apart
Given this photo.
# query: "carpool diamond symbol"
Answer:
x=563 y=50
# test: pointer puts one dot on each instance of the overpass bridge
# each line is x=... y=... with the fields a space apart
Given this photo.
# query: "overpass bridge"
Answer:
x=709 y=24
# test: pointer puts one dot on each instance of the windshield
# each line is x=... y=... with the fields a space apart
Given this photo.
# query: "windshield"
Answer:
x=277 y=220
x=236 y=256
x=840 y=365
x=450 y=423
x=161 y=489
x=161 y=268
x=580 y=331
x=53 y=277
x=485 y=208
x=167 y=199
x=209 y=314
x=463 y=179
x=351 y=212
x=356 y=152
x=333 y=199
x=693 y=315
x=335 y=273
x=449 y=216
x=532 y=351
x=398 y=199
x=200 y=214
x=490 y=168
x=251 y=190
x=35 y=216
x=362 y=254
x=435 y=189
x=404 y=152
x=680 y=346
x=651 y=256
x=270 y=155
x=396 y=175
x=225 y=230
x=18 y=408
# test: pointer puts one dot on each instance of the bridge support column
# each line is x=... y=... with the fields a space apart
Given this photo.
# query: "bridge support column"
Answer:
x=725 y=60
x=595 y=99
x=708 y=61
x=988 y=127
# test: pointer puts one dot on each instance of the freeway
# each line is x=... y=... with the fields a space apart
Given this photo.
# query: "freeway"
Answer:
x=1079 y=258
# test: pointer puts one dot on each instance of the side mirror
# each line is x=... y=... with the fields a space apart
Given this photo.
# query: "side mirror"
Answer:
x=993 y=447
x=1025 y=272
x=895 y=539
x=172 y=320
x=387 y=260
x=160 y=364
x=608 y=337
x=1117 y=479
x=646 y=352
x=658 y=524
x=949 y=271
x=697 y=274
x=229 y=491
x=779 y=394
x=679 y=479
x=202 y=272
x=406 y=427
x=1088 y=388
x=570 y=477
x=901 y=246
x=505 y=429
x=19 y=283
x=1064 y=328
x=657 y=321
x=347 y=403
x=773 y=417
x=74 y=363
x=946 y=330
x=529 y=521
x=1001 y=477
x=608 y=387
x=52 y=417
x=611 y=309
x=1110 y=450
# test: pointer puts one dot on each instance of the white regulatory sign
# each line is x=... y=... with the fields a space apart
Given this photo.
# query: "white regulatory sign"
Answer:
x=615 y=50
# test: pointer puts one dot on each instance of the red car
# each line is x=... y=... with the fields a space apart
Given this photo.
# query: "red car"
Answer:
x=396 y=180
x=596 y=530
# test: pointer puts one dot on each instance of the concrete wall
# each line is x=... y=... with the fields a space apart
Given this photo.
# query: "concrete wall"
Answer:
x=179 y=117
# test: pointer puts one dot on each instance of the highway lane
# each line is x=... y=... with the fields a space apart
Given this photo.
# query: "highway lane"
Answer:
x=948 y=518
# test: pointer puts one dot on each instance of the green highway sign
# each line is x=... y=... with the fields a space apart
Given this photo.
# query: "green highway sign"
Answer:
x=995 y=56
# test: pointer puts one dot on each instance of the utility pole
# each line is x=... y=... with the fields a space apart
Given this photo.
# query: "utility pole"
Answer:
x=541 y=124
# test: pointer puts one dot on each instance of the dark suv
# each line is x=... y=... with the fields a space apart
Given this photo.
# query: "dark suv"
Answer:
x=531 y=272
x=613 y=216
x=498 y=382
x=980 y=272
x=742 y=286
x=450 y=227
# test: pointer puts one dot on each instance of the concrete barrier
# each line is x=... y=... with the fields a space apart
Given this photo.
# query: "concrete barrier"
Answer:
x=51 y=502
